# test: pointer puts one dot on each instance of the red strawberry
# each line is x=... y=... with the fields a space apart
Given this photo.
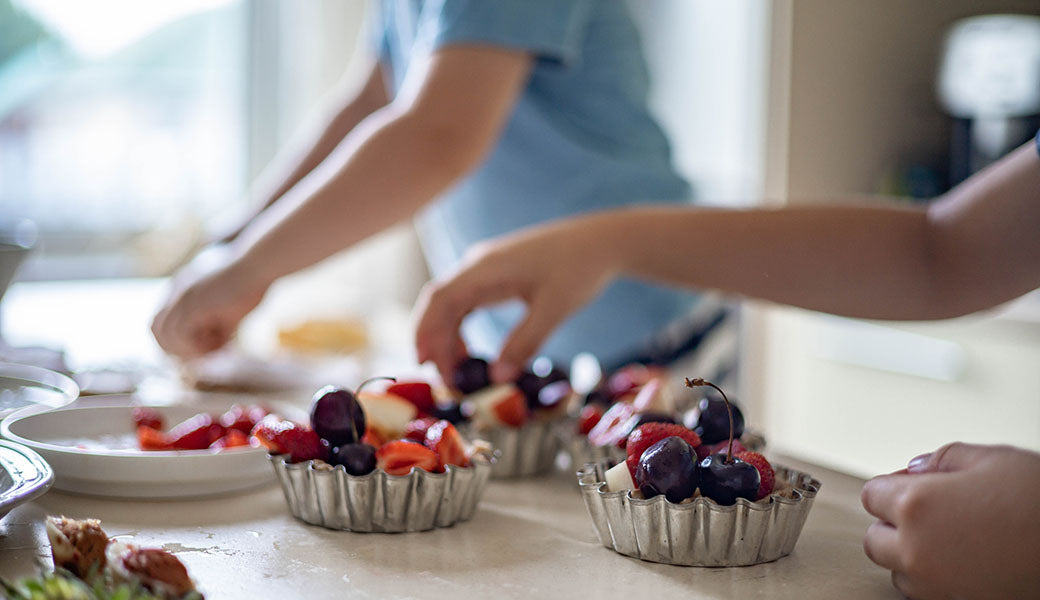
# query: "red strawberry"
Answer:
x=150 y=438
x=196 y=433
x=719 y=447
x=612 y=427
x=444 y=439
x=398 y=457
x=232 y=439
x=416 y=430
x=280 y=436
x=148 y=417
x=242 y=418
x=590 y=415
x=765 y=471
x=512 y=410
x=373 y=438
x=418 y=393
x=626 y=379
x=648 y=434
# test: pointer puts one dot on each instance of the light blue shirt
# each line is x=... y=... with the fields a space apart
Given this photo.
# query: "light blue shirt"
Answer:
x=580 y=139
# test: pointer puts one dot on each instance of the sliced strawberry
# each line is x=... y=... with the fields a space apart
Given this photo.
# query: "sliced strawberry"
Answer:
x=444 y=439
x=590 y=415
x=150 y=438
x=511 y=410
x=196 y=433
x=612 y=428
x=148 y=417
x=418 y=393
x=399 y=457
x=375 y=439
x=648 y=434
x=416 y=430
x=281 y=436
x=232 y=439
x=719 y=447
x=237 y=417
x=765 y=471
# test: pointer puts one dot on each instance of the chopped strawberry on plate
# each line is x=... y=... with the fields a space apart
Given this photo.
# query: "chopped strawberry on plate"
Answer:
x=150 y=438
x=147 y=416
x=195 y=433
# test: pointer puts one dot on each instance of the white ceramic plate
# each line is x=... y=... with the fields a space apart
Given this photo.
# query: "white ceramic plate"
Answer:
x=93 y=450
x=22 y=385
x=23 y=476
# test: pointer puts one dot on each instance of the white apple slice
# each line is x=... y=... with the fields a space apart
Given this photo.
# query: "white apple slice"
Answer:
x=619 y=478
x=386 y=413
x=483 y=403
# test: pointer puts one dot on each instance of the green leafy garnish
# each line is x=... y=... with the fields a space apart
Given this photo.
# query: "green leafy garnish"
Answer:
x=62 y=585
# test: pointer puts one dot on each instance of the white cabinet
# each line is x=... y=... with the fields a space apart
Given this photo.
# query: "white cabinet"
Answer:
x=851 y=95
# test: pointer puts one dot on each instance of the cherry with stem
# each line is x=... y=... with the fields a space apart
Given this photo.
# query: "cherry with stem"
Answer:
x=700 y=382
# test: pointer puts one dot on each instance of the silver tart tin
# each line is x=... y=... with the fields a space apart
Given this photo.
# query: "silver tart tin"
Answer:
x=523 y=451
x=320 y=494
x=699 y=533
x=583 y=452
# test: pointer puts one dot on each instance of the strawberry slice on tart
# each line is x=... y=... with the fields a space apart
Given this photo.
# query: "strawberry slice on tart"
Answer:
x=444 y=439
x=399 y=457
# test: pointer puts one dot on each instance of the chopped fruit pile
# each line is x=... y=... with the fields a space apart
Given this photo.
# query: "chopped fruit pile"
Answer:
x=666 y=458
x=391 y=430
x=202 y=431
x=107 y=568
x=541 y=392
x=632 y=396
x=637 y=394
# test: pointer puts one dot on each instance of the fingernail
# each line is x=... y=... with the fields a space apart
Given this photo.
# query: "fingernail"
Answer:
x=503 y=372
x=917 y=463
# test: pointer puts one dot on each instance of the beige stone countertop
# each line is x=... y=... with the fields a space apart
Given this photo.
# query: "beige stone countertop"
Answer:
x=528 y=538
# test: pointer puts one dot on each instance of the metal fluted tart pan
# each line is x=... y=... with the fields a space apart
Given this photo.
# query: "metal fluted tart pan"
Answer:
x=699 y=532
x=320 y=494
x=523 y=451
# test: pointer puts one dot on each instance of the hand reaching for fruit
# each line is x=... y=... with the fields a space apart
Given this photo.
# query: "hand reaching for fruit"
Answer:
x=555 y=270
x=958 y=523
x=208 y=300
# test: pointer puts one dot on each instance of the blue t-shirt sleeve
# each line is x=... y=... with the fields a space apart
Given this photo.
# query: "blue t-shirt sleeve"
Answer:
x=375 y=29
x=552 y=30
x=1038 y=142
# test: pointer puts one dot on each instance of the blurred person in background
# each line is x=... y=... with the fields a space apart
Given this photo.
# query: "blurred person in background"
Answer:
x=480 y=117
x=956 y=522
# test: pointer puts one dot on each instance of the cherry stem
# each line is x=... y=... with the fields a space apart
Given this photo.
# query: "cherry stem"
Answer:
x=370 y=380
x=729 y=410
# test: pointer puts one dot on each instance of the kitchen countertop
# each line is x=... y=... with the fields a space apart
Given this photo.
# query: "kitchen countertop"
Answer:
x=529 y=537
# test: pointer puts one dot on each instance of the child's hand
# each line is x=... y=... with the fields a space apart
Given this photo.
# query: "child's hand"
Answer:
x=207 y=301
x=959 y=523
x=554 y=269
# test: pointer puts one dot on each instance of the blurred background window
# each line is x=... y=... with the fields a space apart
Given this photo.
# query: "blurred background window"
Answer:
x=121 y=128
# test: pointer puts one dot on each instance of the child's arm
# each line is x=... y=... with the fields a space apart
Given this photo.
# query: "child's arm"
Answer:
x=346 y=108
x=975 y=247
x=443 y=122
